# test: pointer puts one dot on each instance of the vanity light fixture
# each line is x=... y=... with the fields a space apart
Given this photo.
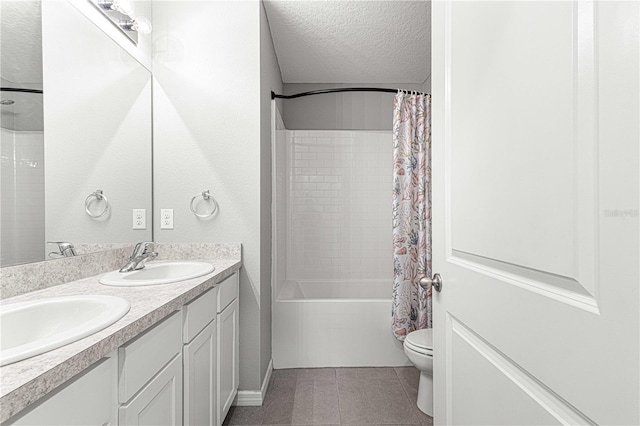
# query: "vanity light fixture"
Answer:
x=126 y=7
x=139 y=24
x=122 y=14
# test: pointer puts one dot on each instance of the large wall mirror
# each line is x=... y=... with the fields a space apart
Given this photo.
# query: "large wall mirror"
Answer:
x=89 y=130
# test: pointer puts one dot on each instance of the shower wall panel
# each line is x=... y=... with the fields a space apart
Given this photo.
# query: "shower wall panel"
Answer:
x=22 y=190
x=339 y=205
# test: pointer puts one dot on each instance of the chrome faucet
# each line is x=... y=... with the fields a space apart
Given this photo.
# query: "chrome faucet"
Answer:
x=65 y=249
x=139 y=257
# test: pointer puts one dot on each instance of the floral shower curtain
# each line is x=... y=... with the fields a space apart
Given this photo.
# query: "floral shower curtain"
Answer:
x=411 y=212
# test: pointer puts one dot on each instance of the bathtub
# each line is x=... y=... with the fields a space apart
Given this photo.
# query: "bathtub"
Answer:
x=334 y=324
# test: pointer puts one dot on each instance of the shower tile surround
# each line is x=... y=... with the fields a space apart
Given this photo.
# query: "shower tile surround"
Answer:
x=26 y=381
x=22 y=172
x=339 y=215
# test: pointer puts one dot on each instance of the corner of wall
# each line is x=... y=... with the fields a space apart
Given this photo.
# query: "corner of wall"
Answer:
x=270 y=80
x=426 y=86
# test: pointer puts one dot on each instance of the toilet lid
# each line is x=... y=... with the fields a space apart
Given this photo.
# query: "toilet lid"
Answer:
x=420 y=339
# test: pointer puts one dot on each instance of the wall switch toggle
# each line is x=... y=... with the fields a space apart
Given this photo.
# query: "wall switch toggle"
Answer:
x=139 y=218
x=166 y=218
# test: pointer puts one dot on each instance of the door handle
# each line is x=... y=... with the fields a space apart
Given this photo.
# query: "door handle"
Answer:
x=435 y=282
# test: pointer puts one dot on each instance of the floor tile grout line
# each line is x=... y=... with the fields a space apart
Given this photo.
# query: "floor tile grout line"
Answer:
x=395 y=370
x=409 y=399
x=411 y=402
x=339 y=398
x=398 y=376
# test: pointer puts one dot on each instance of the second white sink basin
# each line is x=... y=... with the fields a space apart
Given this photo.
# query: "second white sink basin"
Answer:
x=157 y=273
x=35 y=327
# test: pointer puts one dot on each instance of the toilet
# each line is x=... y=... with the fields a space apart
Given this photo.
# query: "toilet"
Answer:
x=418 y=345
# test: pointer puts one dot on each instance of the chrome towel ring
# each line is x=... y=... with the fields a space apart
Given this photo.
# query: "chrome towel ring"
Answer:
x=206 y=196
x=96 y=196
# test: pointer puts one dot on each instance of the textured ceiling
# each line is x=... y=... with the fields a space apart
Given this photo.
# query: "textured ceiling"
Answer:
x=21 y=36
x=341 y=41
x=21 y=63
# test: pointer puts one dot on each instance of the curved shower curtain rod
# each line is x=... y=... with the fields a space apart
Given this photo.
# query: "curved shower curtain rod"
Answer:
x=345 y=89
x=17 y=89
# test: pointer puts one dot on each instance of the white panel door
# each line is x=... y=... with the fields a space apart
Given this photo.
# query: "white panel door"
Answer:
x=536 y=134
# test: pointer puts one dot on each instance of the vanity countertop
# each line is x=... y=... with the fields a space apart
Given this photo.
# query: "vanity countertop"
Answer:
x=26 y=381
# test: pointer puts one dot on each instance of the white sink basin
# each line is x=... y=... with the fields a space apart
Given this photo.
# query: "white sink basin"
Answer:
x=32 y=328
x=157 y=273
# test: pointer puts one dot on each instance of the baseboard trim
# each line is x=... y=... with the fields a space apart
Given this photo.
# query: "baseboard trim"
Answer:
x=247 y=398
x=267 y=379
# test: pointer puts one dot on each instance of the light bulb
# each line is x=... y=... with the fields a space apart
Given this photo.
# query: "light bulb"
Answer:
x=124 y=6
x=141 y=25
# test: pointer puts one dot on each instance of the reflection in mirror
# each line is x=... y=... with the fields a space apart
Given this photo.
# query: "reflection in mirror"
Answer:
x=93 y=133
x=22 y=234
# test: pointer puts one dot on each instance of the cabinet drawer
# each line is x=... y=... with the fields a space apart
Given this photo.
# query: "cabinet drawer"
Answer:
x=140 y=359
x=198 y=313
x=227 y=291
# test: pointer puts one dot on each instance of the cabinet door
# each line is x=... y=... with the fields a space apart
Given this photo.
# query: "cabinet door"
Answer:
x=159 y=402
x=88 y=399
x=200 y=363
x=227 y=358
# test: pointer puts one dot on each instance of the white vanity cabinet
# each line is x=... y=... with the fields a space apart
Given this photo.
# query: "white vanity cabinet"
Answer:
x=150 y=376
x=159 y=402
x=228 y=336
x=88 y=399
x=210 y=334
x=183 y=370
x=200 y=356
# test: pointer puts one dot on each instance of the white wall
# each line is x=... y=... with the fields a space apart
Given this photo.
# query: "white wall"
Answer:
x=97 y=118
x=270 y=79
x=280 y=182
x=22 y=189
x=210 y=127
x=341 y=111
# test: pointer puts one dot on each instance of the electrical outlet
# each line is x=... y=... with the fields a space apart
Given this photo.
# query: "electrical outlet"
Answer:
x=139 y=219
x=166 y=218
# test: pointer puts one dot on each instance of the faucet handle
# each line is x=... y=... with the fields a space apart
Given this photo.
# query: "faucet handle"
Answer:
x=141 y=248
x=59 y=243
x=66 y=249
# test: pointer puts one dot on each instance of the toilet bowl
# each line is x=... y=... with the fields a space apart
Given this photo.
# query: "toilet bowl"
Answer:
x=418 y=346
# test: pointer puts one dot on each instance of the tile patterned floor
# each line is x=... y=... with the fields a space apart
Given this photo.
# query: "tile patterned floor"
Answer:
x=337 y=396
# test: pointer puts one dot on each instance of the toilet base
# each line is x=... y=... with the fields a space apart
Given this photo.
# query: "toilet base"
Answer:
x=425 y=393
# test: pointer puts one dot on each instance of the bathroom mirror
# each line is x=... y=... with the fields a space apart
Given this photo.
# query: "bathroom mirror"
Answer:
x=89 y=130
